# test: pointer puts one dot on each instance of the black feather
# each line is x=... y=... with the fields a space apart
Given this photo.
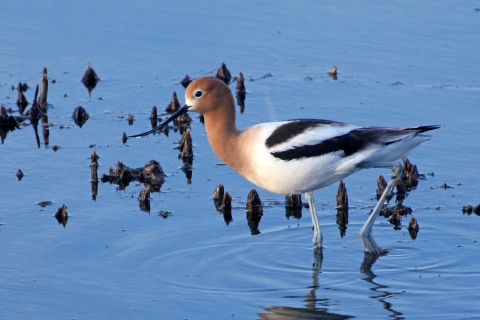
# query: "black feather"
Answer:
x=352 y=142
x=293 y=128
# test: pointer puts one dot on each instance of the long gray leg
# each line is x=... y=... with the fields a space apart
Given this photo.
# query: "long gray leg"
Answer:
x=317 y=233
x=366 y=236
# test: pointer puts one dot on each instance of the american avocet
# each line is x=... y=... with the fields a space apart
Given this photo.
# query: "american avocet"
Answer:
x=297 y=156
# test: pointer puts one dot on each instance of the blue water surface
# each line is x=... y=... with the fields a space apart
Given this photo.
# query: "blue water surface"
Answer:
x=400 y=64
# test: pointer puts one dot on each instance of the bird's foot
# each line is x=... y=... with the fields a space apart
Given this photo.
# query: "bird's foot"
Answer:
x=369 y=244
x=317 y=239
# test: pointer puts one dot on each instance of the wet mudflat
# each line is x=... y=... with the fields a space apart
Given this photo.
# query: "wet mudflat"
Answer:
x=176 y=258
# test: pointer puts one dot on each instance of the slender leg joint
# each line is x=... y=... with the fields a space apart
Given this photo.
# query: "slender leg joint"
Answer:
x=317 y=233
x=366 y=236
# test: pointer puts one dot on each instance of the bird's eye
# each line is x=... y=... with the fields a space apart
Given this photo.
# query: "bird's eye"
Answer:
x=198 y=93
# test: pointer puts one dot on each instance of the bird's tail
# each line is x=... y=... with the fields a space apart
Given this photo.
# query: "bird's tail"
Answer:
x=422 y=129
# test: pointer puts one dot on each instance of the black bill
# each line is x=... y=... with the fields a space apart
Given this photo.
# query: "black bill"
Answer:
x=179 y=112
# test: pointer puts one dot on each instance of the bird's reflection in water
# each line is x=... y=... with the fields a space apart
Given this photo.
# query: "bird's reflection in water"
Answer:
x=366 y=268
x=315 y=308
x=289 y=313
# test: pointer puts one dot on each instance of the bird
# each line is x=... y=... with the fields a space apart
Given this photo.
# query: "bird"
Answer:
x=300 y=155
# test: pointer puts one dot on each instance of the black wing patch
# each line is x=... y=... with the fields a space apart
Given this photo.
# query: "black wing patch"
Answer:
x=349 y=143
x=293 y=128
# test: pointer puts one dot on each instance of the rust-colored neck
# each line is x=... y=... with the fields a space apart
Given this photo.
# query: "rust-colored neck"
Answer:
x=223 y=135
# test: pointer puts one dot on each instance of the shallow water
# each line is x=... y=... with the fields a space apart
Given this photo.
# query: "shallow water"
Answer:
x=399 y=64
